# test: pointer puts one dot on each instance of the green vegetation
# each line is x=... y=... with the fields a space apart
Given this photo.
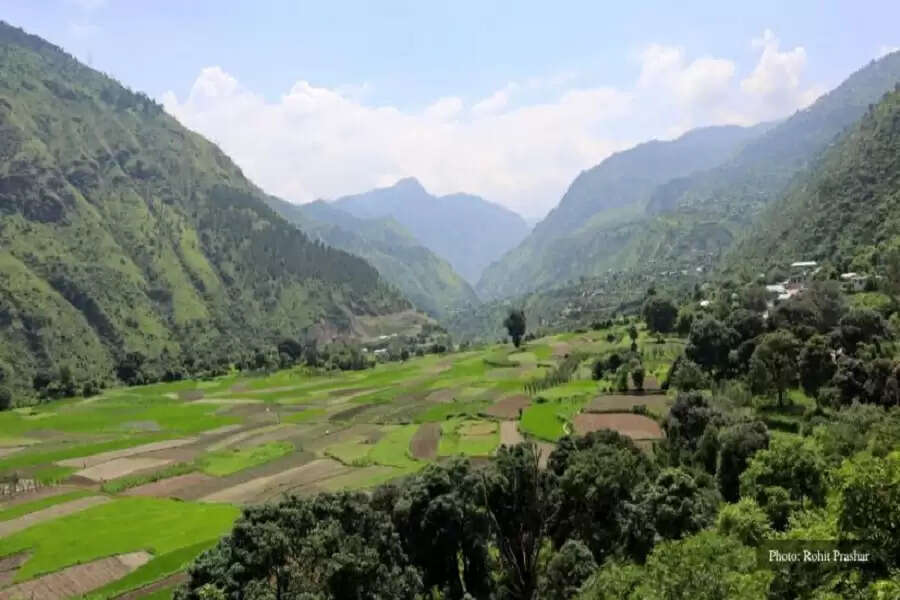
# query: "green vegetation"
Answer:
x=461 y=437
x=159 y=526
x=36 y=505
x=117 y=486
x=392 y=450
x=158 y=568
x=123 y=229
x=550 y=420
x=226 y=462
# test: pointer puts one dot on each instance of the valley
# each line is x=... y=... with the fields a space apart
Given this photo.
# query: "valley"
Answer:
x=113 y=471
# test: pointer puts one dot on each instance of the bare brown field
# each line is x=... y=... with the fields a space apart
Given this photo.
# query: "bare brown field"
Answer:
x=190 y=394
x=424 y=444
x=59 y=510
x=96 y=459
x=10 y=450
x=655 y=403
x=336 y=435
x=166 y=582
x=509 y=407
x=169 y=488
x=509 y=433
x=9 y=565
x=77 y=580
x=441 y=396
x=637 y=427
x=120 y=467
x=545 y=449
x=262 y=488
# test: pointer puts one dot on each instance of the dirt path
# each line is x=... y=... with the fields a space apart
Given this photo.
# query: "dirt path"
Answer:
x=96 y=459
x=266 y=487
x=77 y=580
x=424 y=444
x=54 y=512
x=9 y=565
x=509 y=433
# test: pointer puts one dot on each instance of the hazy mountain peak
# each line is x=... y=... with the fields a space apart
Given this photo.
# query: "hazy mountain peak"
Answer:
x=409 y=184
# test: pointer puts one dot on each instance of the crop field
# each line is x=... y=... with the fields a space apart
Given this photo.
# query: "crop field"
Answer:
x=133 y=484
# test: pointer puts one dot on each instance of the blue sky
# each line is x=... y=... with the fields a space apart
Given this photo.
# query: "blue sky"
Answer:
x=506 y=99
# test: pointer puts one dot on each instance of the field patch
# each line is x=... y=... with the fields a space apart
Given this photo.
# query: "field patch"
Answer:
x=549 y=420
x=637 y=427
x=392 y=450
x=116 y=527
x=509 y=433
x=50 y=513
x=168 y=488
x=263 y=488
x=468 y=438
x=657 y=404
x=226 y=462
x=424 y=444
x=85 y=462
x=77 y=580
x=120 y=467
x=37 y=504
x=509 y=407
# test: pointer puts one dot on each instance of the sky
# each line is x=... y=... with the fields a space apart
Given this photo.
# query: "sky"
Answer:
x=507 y=100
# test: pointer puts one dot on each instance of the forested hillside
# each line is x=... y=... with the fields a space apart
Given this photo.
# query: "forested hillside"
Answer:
x=466 y=230
x=123 y=232
x=427 y=280
x=847 y=211
x=689 y=219
x=603 y=209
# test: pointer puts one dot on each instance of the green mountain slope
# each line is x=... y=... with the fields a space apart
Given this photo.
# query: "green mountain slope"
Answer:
x=604 y=208
x=121 y=231
x=465 y=230
x=692 y=220
x=846 y=211
x=427 y=280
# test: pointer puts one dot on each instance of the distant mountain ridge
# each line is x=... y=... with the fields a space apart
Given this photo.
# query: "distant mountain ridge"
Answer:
x=426 y=279
x=845 y=213
x=467 y=231
x=123 y=232
x=602 y=208
x=667 y=221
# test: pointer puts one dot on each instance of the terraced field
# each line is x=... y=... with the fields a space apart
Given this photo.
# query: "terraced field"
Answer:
x=133 y=484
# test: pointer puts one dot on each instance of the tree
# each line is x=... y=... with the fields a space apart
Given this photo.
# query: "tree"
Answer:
x=329 y=546
x=676 y=504
x=790 y=464
x=684 y=321
x=516 y=499
x=515 y=325
x=596 y=478
x=5 y=398
x=773 y=366
x=687 y=376
x=737 y=444
x=444 y=529
x=709 y=343
x=815 y=365
x=798 y=315
x=659 y=314
x=567 y=570
x=745 y=521
x=748 y=324
x=622 y=378
x=861 y=325
x=869 y=503
x=633 y=333
x=637 y=376
x=686 y=423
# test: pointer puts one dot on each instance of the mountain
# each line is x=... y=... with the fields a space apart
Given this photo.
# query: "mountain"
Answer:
x=688 y=220
x=846 y=211
x=427 y=280
x=122 y=231
x=466 y=230
x=604 y=208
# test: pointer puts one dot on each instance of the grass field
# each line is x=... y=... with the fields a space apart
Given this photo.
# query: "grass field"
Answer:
x=226 y=462
x=30 y=507
x=246 y=429
x=124 y=525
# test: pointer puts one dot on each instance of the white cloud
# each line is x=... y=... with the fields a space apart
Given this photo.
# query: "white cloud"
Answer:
x=317 y=142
